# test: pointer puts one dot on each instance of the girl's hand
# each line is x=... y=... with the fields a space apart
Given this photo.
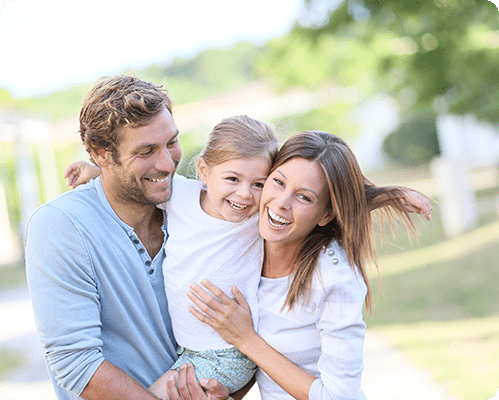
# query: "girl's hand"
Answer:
x=230 y=318
x=417 y=203
x=80 y=172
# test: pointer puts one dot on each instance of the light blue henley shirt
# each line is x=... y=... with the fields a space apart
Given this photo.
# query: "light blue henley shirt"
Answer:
x=96 y=293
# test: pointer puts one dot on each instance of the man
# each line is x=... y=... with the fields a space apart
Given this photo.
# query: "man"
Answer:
x=94 y=255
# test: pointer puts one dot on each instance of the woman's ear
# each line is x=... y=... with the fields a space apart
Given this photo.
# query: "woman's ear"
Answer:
x=202 y=170
x=326 y=219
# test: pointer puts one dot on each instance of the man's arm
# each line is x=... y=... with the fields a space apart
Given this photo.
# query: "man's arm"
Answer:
x=109 y=383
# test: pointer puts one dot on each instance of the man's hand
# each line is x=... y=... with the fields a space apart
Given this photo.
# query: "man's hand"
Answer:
x=187 y=386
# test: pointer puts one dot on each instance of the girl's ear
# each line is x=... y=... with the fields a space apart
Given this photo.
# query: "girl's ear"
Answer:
x=202 y=170
x=101 y=157
x=326 y=219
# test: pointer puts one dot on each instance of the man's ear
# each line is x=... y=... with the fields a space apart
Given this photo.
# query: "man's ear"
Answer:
x=202 y=170
x=101 y=157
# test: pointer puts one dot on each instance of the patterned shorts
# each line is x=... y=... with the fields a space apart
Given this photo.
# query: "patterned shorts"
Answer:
x=228 y=366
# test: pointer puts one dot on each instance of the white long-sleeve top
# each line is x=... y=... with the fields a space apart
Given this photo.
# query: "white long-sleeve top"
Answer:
x=202 y=247
x=325 y=336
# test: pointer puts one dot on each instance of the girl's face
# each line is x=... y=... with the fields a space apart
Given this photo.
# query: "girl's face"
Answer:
x=234 y=187
x=294 y=200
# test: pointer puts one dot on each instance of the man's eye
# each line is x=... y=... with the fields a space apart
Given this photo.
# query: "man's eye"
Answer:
x=145 y=153
x=173 y=142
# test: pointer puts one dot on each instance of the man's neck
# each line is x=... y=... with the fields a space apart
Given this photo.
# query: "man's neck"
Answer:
x=145 y=219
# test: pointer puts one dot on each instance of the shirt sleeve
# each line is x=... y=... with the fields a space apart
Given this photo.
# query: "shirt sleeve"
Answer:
x=340 y=323
x=64 y=296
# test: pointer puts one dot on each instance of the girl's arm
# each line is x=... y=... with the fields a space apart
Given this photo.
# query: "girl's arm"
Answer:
x=231 y=319
x=400 y=197
x=80 y=172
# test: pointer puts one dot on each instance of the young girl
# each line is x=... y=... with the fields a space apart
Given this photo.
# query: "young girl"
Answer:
x=213 y=234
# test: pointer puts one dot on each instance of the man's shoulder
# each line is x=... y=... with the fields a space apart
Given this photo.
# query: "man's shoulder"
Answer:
x=79 y=201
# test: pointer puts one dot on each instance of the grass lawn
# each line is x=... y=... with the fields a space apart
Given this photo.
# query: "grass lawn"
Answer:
x=439 y=303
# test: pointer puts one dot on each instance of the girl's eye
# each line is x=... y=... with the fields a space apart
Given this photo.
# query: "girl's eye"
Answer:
x=259 y=185
x=278 y=182
x=232 y=179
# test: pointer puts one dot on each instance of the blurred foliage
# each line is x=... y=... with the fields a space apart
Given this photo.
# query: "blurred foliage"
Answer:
x=440 y=53
x=209 y=73
x=57 y=105
x=187 y=80
x=415 y=142
x=331 y=118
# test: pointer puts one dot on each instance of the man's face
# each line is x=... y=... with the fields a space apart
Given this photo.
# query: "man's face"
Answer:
x=148 y=158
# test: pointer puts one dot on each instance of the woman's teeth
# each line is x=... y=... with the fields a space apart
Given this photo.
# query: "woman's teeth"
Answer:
x=277 y=221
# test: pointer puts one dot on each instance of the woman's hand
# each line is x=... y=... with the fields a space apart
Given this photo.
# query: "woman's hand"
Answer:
x=230 y=318
x=417 y=202
x=80 y=172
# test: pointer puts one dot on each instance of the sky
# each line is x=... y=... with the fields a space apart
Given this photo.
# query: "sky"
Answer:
x=46 y=45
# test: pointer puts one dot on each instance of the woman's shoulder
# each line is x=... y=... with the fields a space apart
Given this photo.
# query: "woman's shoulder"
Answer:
x=335 y=269
x=333 y=256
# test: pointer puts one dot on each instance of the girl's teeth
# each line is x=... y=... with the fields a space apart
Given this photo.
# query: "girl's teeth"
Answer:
x=237 y=206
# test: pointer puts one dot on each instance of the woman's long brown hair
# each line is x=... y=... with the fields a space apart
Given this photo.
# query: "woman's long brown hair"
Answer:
x=351 y=198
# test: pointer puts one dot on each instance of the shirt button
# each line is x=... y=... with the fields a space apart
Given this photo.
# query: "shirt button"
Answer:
x=335 y=261
x=151 y=272
x=141 y=251
x=148 y=263
x=330 y=253
x=136 y=241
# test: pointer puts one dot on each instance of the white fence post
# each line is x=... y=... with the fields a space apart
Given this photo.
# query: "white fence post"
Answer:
x=458 y=206
x=9 y=250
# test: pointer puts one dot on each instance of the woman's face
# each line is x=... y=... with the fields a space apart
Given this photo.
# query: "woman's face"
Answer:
x=294 y=200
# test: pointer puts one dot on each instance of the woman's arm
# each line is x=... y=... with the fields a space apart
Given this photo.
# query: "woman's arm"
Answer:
x=231 y=319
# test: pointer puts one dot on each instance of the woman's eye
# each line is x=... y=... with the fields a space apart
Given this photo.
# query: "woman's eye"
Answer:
x=305 y=198
x=278 y=182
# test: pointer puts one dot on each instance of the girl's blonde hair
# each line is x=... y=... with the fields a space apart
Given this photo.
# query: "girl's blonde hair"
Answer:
x=351 y=197
x=239 y=137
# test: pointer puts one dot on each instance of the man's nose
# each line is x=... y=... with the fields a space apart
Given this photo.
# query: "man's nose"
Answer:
x=165 y=161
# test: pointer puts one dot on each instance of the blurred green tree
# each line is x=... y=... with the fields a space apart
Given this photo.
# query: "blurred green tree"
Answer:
x=440 y=54
x=415 y=141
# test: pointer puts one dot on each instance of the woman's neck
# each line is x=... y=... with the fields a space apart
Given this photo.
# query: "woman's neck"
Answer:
x=279 y=260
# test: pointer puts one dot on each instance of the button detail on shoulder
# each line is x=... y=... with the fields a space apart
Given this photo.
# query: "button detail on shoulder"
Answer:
x=335 y=261
x=330 y=253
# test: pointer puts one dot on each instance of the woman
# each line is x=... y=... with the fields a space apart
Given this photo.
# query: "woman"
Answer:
x=314 y=218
